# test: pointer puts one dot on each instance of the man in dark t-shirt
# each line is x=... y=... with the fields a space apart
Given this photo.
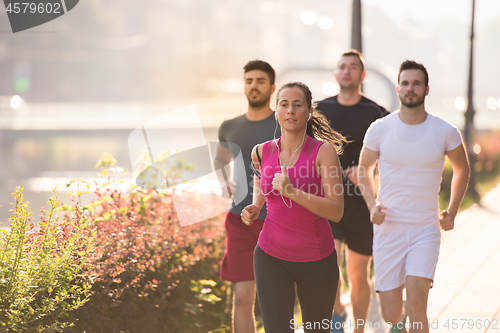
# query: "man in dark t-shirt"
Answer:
x=350 y=113
x=245 y=134
x=242 y=133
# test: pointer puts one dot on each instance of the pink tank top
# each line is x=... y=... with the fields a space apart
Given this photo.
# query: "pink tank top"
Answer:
x=294 y=234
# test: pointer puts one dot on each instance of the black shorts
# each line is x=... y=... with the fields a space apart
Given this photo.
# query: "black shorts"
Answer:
x=355 y=228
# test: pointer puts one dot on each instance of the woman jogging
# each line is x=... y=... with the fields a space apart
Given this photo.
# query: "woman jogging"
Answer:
x=299 y=177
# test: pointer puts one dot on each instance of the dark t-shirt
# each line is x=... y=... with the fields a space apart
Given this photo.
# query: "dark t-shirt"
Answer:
x=352 y=122
x=246 y=134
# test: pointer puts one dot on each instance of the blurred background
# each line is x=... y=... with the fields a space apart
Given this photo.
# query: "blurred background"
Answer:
x=76 y=87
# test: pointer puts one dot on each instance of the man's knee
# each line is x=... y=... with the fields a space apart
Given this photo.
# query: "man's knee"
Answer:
x=391 y=304
x=244 y=294
x=392 y=315
x=359 y=278
x=417 y=293
x=358 y=268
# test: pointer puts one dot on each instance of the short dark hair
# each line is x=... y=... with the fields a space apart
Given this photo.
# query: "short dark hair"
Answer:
x=410 y=64
x=261 y=66
x=355 y=53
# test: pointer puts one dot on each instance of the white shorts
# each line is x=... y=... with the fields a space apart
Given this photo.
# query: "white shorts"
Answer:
x=401 y=249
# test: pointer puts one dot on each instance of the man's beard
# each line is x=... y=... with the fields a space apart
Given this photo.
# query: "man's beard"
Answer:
x=413 y=104
x=258 y=103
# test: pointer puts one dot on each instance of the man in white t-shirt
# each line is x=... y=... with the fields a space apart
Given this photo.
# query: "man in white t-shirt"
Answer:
x=410 y=146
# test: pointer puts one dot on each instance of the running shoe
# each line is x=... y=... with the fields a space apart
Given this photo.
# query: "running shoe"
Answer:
x=337 y=324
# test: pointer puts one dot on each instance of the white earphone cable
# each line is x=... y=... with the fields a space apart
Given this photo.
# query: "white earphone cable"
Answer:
x=279 y=159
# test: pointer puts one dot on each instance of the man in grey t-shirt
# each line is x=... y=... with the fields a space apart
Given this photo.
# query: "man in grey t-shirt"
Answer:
x=255 y=126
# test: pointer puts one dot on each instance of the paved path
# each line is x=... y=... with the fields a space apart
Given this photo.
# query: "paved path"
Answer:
x=467 y=282
x=466 y=292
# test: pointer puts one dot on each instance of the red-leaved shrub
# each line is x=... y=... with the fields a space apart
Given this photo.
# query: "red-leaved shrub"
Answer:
x=148 y=273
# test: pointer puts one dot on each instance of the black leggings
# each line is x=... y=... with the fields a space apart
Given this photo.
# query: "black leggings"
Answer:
x=316 y=288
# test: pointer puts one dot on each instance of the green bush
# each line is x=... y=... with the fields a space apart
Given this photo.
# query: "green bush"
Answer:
x=122 y=263
x=40 y=269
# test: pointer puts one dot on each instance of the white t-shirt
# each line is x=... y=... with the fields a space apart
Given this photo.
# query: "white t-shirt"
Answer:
x=411 y=159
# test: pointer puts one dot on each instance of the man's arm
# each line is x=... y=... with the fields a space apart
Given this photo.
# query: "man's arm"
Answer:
x=250 y=213
x=222 y=158
x=366 y=178
x=459 y=181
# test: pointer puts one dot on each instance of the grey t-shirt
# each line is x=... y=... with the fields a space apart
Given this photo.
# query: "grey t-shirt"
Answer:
x=246 y=134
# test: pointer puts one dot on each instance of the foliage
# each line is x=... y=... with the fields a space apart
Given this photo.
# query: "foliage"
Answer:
x=487 y=168
x=122 y=263
x=40 y=269
x=148 y=273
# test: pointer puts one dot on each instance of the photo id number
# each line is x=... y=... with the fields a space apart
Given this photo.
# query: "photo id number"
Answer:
x=33 y=7
x=471 y=324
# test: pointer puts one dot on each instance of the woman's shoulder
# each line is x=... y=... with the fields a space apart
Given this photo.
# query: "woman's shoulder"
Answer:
x=327 y=156
x=326 y=148
x=266 y=147
x=323 y=149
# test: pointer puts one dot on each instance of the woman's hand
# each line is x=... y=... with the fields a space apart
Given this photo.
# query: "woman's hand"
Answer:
x=281 y=183
x=250 y=214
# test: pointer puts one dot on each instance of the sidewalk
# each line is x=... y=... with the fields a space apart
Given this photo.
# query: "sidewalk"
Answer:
x=466 y=292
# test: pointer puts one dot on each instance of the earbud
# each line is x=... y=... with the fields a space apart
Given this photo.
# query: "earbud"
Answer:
x=310 y=115
x=275 y=116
